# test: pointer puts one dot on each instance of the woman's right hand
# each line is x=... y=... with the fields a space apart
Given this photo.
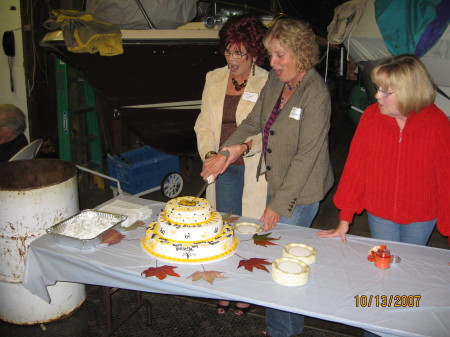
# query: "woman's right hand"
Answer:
x=270 y=219
x=340 y=230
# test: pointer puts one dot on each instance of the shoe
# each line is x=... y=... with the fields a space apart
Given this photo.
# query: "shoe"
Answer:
x=222 y=309
x=241 y=311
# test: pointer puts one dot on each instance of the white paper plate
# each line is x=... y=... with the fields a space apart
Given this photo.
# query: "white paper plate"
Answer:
x=247 y=227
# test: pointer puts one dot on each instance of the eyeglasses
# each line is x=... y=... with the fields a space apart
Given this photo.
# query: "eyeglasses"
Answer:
x=236 y=54
x=383 y=93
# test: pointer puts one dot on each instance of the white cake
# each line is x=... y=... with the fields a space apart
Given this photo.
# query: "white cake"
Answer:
x=188 y=231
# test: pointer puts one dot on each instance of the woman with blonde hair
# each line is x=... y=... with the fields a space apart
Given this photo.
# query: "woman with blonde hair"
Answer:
x=293 y=115
x=398 y=165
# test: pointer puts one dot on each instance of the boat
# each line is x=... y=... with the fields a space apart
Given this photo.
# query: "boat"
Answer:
x=155 y=86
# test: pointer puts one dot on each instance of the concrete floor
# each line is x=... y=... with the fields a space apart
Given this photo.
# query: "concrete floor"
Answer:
x=202 y=321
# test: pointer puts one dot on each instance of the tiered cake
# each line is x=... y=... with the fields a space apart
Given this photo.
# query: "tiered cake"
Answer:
x=188 y=231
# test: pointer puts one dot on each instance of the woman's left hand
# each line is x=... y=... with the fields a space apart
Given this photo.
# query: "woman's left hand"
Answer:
x=236 y=152
x=270 y=219
x=340 y=230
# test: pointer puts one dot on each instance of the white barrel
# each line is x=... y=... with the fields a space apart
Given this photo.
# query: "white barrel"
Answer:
x=34 y=195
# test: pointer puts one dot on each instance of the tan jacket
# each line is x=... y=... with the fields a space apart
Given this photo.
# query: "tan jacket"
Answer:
x=297 y=162
x=208 y=130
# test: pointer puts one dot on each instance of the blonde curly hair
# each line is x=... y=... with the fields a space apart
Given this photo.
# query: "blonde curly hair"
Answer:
x=297 y=36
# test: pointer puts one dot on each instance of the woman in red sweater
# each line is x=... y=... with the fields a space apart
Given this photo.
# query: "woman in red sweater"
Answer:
x=398 y=168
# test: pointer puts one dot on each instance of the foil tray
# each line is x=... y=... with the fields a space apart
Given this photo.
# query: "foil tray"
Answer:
x=85 y=230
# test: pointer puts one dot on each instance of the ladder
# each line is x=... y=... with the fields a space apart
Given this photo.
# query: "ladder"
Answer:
x=78 y=126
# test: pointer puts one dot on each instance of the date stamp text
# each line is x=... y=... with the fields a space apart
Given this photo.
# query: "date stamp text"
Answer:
x=387 y=301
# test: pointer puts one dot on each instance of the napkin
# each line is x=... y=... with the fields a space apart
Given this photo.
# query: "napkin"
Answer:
x=134 y=212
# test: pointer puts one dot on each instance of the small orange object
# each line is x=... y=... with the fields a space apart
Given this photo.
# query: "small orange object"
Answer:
x=383 y=258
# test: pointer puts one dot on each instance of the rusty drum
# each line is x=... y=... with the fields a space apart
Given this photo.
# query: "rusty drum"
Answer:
x=34 y=195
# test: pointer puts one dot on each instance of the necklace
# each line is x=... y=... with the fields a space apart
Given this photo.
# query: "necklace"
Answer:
x=297 y=83
x=238 y=86
x=291 y=87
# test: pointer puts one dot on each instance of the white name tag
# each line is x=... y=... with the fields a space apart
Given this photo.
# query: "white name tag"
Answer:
x=296 y=113
x=249 y=96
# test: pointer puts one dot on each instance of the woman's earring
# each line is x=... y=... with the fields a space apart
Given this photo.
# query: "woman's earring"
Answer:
x=253 y=69
x=228 y=66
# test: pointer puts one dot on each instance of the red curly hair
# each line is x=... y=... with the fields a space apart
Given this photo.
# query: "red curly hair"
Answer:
x=245 y=30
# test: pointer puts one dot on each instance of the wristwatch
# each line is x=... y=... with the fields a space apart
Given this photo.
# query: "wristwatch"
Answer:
x=209 y=154
x=247 y=150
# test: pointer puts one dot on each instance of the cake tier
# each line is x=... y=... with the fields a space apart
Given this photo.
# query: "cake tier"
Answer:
x=204 y=251
x=189 y=232
x=185 y=210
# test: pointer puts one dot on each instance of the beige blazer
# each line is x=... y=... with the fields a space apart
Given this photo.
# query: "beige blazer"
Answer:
x=208 y=129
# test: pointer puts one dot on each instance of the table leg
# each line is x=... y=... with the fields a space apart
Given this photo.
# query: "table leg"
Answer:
x=110 y=326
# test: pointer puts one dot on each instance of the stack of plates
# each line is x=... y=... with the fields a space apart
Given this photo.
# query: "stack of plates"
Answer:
x=290 y=272
x=300 y=251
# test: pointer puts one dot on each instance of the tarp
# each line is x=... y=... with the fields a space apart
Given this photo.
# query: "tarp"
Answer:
x=126 y=14
x=84 y=33
x=411 y=27
x=346 y=17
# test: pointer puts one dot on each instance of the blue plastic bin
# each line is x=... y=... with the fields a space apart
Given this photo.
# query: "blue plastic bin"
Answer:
x=141 y=169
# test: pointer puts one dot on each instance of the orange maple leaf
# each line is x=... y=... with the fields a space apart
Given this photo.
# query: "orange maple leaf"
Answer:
x=263 y=239
x=135 y=225
x=112 y=237
x=254 y=263
x=209 y=275
x=229 y=218
x=160 y=272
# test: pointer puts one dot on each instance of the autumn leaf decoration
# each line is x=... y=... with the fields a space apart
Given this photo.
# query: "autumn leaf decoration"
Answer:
x=229 y=218
x=112 y=237
x=135 y=225
x=263 y=239
x=254 y=262
x=160 y=272
x=207 y=275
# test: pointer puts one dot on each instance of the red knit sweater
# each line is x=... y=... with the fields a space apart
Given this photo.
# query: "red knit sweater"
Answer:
x=402 y=176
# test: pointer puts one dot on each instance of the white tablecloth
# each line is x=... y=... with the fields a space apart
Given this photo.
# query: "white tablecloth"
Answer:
x=340 y=276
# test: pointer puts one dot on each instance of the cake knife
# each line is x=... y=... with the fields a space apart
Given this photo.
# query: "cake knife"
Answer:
x=205 y=185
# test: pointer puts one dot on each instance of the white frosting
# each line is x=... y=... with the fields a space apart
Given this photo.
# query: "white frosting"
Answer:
x=187 y=210
x=85 y=229
x=203 y=251
x=189 y=232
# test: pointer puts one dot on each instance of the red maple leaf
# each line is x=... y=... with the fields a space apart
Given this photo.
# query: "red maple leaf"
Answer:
x=112 y=237
x=160 y=272
x=254 y=263
x=263 y=239
x=209 y=275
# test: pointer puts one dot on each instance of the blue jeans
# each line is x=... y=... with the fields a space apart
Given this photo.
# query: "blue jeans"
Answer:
x=229 y=187
x=416 y=233
x=282 y=323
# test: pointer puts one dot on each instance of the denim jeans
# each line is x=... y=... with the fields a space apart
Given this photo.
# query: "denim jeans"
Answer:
x=416 y=233
x=229 y=187
x=282 y=323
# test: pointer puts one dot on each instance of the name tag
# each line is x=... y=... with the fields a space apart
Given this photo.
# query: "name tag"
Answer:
x=249 y=96
x=296 y=113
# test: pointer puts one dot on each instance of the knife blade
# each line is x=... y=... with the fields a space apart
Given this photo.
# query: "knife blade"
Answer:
x=205 y=185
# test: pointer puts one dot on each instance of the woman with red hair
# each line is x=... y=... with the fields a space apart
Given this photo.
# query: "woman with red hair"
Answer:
x=228 y=97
